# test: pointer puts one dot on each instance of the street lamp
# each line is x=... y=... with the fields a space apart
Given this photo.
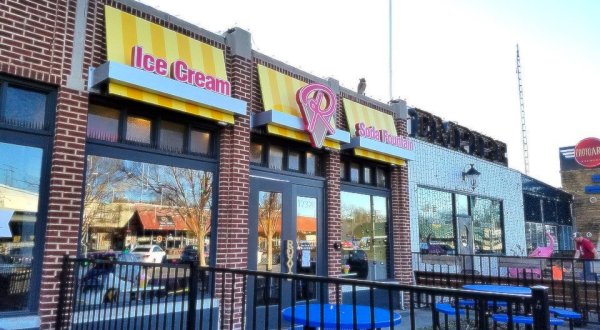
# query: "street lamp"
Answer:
x=470 y=176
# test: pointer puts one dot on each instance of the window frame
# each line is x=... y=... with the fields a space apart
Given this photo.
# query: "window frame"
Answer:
x=42 y=139
x=379 y=192
x=287 y=146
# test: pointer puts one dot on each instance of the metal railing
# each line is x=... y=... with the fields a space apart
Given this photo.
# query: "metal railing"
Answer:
x=572 y=283
x=100 y=294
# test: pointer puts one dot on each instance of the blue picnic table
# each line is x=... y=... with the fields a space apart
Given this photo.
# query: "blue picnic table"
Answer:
x=311 y=316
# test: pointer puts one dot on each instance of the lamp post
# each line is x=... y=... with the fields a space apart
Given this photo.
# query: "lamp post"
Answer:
x=470 y=176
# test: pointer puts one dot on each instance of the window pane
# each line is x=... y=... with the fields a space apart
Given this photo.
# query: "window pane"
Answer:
x=129 y=204
x=364 y=234
x=200 y=142
x=20 y=171
x=462 y=204
x=139 y=130
x=256 y=153
x=487 y=226
x=306 y=238
x=24 y=108
x=343 y=170
x=381 y=177
x=436 y=227
x=312 y=164
x=276 y=157
x=171 y=136
x=354 y=172
x=294 y=161
x=367 y=174
x=103 y=123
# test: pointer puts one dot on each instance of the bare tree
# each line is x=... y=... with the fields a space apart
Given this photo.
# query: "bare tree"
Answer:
x=269 y=221
x=188 y=193
x=101 y=175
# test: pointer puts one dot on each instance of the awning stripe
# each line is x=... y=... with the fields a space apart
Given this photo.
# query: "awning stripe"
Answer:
x=298 y=136
x=358 y=113
x=139 y=95
x=123 y=31
x=379 y=157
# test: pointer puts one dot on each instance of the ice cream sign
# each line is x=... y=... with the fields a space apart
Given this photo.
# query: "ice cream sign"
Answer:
x=178 y=70
x=317 y=104
x=383 y=135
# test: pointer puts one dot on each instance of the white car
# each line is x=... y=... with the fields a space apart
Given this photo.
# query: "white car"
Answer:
x=150 y=253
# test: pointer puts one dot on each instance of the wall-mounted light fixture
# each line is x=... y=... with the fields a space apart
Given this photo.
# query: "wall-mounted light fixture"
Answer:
x=471 y=175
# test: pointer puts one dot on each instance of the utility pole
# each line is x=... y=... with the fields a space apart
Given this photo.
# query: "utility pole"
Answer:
x=522 y=103
x=390 y=46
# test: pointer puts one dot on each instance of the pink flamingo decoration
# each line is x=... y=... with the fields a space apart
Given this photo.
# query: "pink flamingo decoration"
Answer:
x=539 y=252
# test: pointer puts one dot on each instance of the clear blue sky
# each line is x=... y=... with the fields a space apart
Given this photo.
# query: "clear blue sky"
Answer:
x=453 y=58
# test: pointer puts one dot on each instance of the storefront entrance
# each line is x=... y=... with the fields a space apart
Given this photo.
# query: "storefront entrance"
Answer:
x=285 y=236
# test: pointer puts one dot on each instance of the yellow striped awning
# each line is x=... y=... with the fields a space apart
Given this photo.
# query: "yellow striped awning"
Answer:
x=298 y=136
x=358 y=113
x=124 y=31
x=378 y=156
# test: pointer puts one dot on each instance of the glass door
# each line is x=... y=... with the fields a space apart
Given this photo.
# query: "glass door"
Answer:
x=283 y=238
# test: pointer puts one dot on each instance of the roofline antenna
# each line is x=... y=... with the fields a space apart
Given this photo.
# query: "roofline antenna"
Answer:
x=522 y=107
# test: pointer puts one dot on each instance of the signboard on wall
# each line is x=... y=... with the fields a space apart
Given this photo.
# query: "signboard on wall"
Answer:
x=587 y=152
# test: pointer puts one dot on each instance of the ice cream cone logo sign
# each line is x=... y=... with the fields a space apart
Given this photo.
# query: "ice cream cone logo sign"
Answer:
x=587 y=152
x=317 y=105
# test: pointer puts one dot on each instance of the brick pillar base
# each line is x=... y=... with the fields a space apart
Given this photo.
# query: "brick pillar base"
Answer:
x=401 y=225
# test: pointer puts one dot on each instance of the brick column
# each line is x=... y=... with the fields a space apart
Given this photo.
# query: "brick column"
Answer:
x=234 y=183
x=333 y=216
x=64 y=205
x=401 y=225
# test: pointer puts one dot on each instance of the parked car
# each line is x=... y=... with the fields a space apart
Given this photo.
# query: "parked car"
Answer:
x=110 y=282
x=150 y=253
x=189 y=254
x=359 y=263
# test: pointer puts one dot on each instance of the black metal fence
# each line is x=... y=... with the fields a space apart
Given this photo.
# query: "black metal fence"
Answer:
x=572 y=283
x=100 y=294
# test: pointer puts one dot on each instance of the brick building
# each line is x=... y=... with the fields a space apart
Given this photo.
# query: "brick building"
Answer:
x=580 y=176
x=112 y=103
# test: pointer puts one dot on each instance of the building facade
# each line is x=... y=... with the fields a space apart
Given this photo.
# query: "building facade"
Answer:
x=580 y=176
x=122 y=126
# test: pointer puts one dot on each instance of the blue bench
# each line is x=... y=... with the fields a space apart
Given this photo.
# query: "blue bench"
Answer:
x=566 y=314
x=445 y=309
x=524 y=319
x=471 y=303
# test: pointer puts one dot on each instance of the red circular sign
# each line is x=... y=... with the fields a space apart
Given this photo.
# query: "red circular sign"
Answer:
x=587 y=152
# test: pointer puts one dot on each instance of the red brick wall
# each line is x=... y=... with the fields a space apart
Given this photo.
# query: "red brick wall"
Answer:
x=333 y=217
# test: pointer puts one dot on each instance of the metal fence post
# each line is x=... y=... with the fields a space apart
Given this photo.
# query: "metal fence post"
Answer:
x=541 y=314
x=192 y=296
x=62 y=292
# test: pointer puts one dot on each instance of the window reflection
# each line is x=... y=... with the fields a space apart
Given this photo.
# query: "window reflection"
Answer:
x=365 y=234
x=487 y=225
x=128 y=204
x=294 y=161
x=436 y=225
x=199 y=142
x=103 y=123
x=354 y=172
x=276 y=157
x=312 y=164
x=20 y=173
x=269 y=231
x=256 y=153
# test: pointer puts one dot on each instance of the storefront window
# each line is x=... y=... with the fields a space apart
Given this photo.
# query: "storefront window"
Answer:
x=294 y=161
x=276 y=157
x=171 y=136
x=487 y=225
x=103 y=123
x=365 y=234
x=20 y=176
x=24 y=108
x=312 y=164
x=343 y=170
x=436 y=225
x=462 y=205
x=381 y=177
x=139 y=130
x=199 y=142
x=256 y=153
x=354 y=172
x=128 y=204
x=367 y=175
